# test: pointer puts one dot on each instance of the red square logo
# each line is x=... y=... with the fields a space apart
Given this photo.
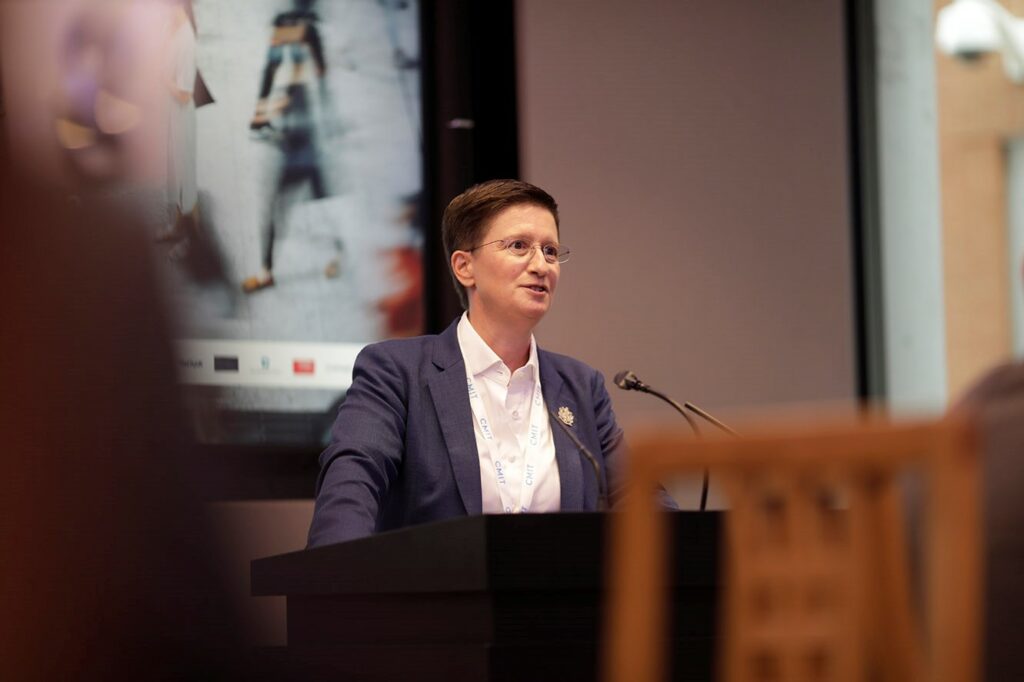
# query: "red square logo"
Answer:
x=303 y=366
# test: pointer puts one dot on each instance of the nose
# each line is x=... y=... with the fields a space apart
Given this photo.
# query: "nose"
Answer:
x=537 y=262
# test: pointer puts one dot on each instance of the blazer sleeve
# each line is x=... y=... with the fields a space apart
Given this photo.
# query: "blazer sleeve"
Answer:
x=365 y=452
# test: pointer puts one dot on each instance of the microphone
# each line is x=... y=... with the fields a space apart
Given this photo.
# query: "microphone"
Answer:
x=602 y=496
x=628 y=381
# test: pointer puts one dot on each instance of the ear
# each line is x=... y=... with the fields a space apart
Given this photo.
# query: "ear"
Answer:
x=462 y=267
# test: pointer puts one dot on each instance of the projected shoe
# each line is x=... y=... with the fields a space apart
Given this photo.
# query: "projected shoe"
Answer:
x=333 y=269
x=253 y=284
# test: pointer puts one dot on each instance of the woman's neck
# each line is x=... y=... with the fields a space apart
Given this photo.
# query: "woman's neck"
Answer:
x=510 y=344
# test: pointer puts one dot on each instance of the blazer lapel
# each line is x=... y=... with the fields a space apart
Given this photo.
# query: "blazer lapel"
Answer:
x=574 y=489
x=451 y=402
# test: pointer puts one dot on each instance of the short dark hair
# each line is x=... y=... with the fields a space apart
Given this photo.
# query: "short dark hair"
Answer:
x=467 y=215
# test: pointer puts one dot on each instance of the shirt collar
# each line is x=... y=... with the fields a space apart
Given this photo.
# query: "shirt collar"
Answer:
x=481 y=360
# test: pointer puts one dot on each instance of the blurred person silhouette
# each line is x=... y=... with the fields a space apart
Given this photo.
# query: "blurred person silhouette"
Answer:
x=108 y=568
x=997 y=401
x=295 y=30
x=293 y=130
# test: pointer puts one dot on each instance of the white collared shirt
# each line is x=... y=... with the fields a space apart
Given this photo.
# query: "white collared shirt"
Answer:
x=506 y=397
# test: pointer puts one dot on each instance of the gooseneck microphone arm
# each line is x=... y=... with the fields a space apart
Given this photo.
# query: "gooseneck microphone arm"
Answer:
x=628 y=381
x=707 y=417
x=602 y=496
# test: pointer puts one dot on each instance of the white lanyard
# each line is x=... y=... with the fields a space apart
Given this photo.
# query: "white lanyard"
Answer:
x=530 y=451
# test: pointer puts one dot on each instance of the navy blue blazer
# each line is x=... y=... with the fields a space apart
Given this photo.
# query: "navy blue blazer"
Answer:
x=403 y=450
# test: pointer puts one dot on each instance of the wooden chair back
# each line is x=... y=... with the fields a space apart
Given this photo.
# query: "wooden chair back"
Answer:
x=816 y=585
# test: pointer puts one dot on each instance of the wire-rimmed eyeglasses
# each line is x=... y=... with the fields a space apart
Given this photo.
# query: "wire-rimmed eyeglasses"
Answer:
x=520 y=248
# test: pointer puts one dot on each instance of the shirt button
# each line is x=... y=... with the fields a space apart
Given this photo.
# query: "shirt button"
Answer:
x=512 y=459
x=515 y=414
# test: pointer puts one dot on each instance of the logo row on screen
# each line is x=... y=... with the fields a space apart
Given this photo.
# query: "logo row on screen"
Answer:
x=251 y=363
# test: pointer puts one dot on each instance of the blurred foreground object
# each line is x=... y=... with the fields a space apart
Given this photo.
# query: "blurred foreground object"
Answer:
x=107 y=563
x=997 y=403
x=817 y=584
x=84 y=89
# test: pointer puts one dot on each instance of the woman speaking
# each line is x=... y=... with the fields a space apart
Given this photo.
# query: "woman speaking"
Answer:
x=462 y=423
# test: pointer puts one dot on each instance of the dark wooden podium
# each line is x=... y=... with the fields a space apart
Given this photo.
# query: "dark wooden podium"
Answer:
x=478 y=598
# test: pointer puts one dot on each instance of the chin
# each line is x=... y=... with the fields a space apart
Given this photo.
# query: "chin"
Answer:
x=536 y=313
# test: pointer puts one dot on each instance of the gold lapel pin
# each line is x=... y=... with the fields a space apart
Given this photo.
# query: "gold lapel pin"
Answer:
x=565 y=414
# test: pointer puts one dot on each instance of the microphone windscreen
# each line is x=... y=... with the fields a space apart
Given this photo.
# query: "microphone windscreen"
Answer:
x=625 y=380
